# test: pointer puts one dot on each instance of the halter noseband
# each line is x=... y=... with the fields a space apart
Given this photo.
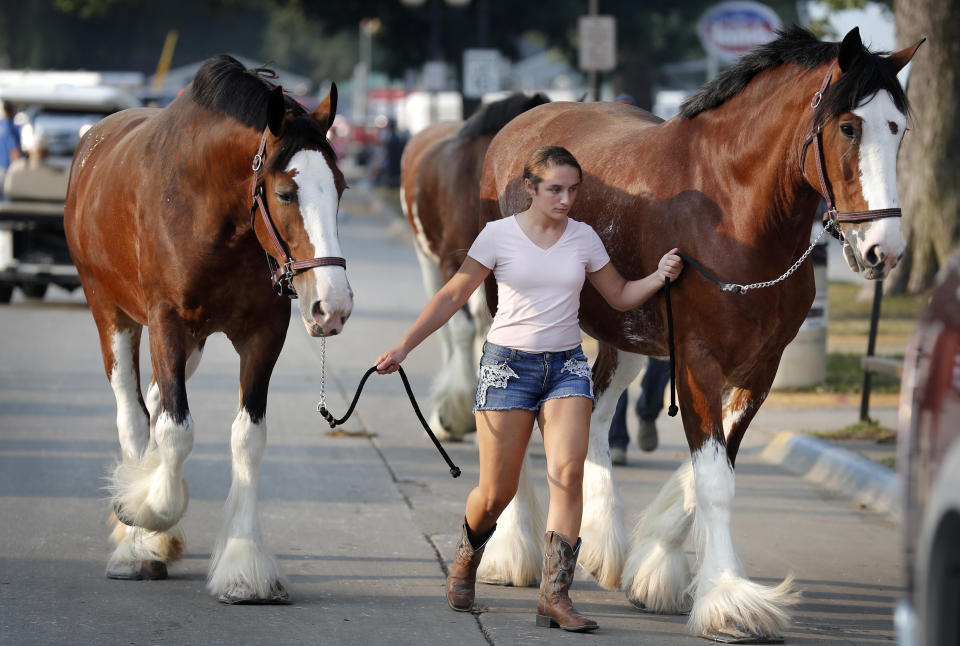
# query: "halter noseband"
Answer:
x=280 y=276
x=832 y=217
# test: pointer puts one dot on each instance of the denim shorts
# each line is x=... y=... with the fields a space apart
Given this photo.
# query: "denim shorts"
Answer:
x=512 y=379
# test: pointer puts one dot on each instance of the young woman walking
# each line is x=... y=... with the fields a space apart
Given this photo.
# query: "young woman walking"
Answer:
x=532 y=368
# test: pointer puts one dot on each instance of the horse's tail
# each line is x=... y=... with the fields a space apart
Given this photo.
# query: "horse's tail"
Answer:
x=489 y=119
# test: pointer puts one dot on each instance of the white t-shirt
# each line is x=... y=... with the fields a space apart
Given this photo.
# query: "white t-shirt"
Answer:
x=538 y=290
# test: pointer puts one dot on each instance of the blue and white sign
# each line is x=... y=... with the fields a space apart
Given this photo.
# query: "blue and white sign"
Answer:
x=731 y=29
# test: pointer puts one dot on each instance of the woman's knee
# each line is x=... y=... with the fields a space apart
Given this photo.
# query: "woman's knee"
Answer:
x=495 y=500
x=567 y=475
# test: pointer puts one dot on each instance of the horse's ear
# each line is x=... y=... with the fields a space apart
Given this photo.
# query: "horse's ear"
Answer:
x=276 y=109
x=850 y=49
x=326 y=112
x=901 y=58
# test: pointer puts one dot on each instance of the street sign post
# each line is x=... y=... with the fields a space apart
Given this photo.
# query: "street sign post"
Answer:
x=481 y=72
x=598 y=43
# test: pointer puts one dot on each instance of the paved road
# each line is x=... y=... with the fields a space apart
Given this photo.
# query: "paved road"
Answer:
x=362 y=525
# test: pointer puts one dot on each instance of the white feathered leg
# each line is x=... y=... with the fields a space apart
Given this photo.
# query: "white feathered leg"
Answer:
x=514 y=553
x=657 y=574
x=605 y=543
x=454 y=386
x=242 y=570
x=726 y=604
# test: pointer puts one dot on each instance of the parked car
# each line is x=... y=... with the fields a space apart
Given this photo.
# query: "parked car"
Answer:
x=929 y=464
x=33 y=249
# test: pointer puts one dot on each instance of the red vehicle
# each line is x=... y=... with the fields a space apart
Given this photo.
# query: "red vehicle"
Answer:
x=929 y=464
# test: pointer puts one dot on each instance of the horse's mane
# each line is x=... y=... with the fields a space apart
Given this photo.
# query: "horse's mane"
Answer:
x=868 y=75
x=489 y=119
x=225 y=86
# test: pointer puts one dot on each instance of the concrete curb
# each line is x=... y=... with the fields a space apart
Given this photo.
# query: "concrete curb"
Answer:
x=837 y=470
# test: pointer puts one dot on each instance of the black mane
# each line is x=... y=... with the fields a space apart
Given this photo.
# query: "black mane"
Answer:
x=225 y=86
x=868 y=75
x=489 y=119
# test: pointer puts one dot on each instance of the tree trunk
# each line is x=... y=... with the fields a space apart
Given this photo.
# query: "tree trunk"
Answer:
x=929 y=163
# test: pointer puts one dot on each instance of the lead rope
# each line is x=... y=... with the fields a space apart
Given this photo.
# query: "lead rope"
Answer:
x=724 y=287
x=334 y=422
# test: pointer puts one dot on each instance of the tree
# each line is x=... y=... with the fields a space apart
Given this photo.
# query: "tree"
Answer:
x=929 y=163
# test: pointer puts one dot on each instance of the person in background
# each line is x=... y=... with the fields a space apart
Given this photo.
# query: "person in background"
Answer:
x=649 y=403
x=532 y=368
x=9 y=138
x=33 y=176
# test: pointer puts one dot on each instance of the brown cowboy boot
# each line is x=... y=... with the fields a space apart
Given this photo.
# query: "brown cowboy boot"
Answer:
x=462 y=580
x=555 y=608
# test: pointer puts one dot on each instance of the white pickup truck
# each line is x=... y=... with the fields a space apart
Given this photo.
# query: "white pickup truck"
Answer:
x=33 y=249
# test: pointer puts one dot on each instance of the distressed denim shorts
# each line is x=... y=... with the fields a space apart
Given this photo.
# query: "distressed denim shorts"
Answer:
x=512 y=379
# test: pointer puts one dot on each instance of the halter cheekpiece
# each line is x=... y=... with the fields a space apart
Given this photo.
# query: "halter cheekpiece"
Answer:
x=280 y=275
x=832 y=218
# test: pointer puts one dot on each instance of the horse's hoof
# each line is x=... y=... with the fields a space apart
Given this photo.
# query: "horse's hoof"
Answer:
x=138 y=570
x=242 y=594
x=642 y=607
x=739 y=635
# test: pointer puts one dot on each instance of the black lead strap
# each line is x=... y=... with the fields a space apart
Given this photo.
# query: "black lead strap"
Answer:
x=327 y=415
x=672 y=411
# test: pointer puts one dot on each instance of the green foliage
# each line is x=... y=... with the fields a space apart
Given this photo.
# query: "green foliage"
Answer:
x=871 y=431
x=849 y=301
x=845 y=376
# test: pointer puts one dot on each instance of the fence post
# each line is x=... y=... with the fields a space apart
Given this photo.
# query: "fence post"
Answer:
x=871 y=346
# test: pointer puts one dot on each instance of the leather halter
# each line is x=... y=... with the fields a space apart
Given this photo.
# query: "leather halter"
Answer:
x=832 y=218
x=280 y=275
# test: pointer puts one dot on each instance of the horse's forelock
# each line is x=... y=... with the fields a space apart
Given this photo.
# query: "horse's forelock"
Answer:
x=225 y=86
x=868 y=76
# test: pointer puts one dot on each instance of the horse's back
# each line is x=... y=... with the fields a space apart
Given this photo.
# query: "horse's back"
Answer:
x=97 y=221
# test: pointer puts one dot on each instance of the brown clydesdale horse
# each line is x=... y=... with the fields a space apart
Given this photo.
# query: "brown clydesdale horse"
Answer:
x=439 y=191
x=168 y=215
x=733 y=182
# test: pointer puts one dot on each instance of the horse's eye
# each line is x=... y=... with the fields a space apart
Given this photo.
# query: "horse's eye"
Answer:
x=287 y=198
x=848 y=131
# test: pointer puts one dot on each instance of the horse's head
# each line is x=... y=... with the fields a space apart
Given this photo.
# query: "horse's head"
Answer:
x=862 y=118
x=302 y=186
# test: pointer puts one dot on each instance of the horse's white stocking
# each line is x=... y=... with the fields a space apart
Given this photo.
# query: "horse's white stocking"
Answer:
x=605 y=543
x=134 y=545
x=455 y=384
x=726 y=603
x=657 y=575
x=133 y=427
x=242 y=569
x=514 y=553
x=152 y=493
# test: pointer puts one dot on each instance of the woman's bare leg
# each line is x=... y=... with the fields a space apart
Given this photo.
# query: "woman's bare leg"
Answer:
x=502 y=438
x=565 y=424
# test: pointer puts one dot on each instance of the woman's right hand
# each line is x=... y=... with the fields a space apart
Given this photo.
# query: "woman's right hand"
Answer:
x=390 y=360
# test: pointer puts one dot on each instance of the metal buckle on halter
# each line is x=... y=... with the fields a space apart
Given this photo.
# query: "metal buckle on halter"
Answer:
x=830 y=223
x=257 y=162
x=817 y=97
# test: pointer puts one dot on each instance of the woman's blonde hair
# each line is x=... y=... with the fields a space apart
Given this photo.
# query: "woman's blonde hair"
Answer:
x=544 y=158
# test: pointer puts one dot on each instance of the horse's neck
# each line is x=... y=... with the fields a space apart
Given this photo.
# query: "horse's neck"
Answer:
x=753 y=140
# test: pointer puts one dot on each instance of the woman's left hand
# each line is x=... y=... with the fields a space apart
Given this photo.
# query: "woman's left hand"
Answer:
x=670 y=265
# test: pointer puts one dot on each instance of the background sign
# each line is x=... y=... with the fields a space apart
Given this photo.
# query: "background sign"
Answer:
x=598 y=43
x=434 y=76
x=481 y=72
x=731 y=29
